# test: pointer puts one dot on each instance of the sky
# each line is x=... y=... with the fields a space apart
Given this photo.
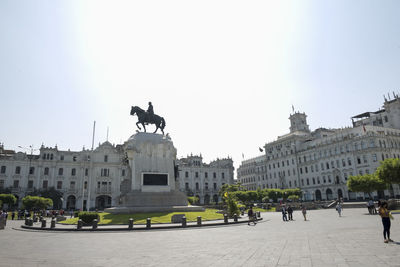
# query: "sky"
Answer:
x=223 y=74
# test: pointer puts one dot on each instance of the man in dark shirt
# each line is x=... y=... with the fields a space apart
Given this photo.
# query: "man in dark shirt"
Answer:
x=290 y=213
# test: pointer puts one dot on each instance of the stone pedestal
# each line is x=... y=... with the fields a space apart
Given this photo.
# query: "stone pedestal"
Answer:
x=153 y=186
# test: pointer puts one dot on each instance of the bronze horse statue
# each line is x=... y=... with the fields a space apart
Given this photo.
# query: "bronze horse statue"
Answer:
x=146 y=118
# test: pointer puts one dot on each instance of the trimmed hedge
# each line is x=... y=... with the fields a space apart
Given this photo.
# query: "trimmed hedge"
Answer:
x=88 y=216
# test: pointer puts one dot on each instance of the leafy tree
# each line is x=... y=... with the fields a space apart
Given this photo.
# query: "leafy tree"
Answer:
x=232 y=205
x=193 y=200
x=366 y=183
x=389 y=171
x=51 y=193
x=36 y=202
x=9 y=199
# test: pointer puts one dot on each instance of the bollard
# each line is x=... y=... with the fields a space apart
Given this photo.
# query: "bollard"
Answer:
x=235 y=217
x=79 y=225
x=30 y=221
x=183 y=221
x=43 y=223
x=258 y=214
x=199 y=220
x=130 y=226
x=225 y=218
x=148 y=223
x=94 y=224
x=26 y=221
x=53 y=223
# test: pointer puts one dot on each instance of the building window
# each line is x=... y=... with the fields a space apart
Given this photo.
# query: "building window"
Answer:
x=365 y=159
x=186 y=186
x=85 y=185
x=313 y=180
x=358 y=160
x=327 y=165
x=374 y=158
x=349 y=161
x=206 y=186
x=16 y=184
x=1 y=184
x=214 y=175
x=197 y=186
x=30 y=184
x=290 y=183
x=31 y=170
x=73 y=172
x=306 y=169
x=59 y=184
x=18 y=170
x=86 y=172
x=123 y=172
x=105 y=158
x=187 y=174
x=322 y=166
x=74 y=158
x=62 y=157
x=72 y=185
x=60 y=171
x=308 y=181
x=46 y=171
x=215 y=186
x=196 y=174
x=105 y=172
x=3 y=169
x=45 y=184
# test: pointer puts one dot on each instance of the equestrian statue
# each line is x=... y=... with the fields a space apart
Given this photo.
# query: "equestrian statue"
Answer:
x=148 y=117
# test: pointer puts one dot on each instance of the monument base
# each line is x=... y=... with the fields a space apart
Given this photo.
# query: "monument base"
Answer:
x=128 y=210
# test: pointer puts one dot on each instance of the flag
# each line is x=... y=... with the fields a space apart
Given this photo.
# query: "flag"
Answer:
x=261 y=150
x=292 y=108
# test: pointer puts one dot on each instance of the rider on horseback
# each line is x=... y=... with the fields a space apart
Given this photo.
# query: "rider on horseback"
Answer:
x=150 y=112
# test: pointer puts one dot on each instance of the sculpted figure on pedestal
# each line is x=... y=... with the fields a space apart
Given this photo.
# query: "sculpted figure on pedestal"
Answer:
x=148 y=118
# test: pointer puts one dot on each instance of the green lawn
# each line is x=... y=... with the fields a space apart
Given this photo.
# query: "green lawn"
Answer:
x=159 y=217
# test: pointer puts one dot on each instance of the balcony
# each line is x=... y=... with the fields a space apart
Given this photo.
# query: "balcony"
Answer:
x=15 y=189
x=103 y=190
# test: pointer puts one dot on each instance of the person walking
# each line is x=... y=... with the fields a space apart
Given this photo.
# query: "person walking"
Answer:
x=385 y=215
x=251 y=214
x=304 y=211
x=290 y=213
x=284 y=217
x=339 y=209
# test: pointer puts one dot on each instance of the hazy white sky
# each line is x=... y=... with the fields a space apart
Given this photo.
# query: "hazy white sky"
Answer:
x=223 y=74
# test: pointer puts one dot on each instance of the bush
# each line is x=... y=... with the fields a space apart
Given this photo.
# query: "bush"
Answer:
x=87 y=217
x=193 y=200
x=293 y=198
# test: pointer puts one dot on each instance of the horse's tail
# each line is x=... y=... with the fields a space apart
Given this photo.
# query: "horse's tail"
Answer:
x=162 y=126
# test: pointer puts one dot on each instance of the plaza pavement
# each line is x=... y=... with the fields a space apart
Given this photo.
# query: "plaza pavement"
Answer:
x=324 y=240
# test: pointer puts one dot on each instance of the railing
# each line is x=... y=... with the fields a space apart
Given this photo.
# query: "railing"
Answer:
x=103 y=190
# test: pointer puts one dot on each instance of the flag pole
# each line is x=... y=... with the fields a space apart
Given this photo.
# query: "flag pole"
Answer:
x=91 y=168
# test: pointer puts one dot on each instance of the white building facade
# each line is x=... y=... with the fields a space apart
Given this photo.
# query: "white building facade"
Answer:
x=97 y=178
x=203 y=180
x=320 y=162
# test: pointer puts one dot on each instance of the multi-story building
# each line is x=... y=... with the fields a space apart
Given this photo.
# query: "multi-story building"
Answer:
x=202 y=180
x=320 y=161
x=100 y=176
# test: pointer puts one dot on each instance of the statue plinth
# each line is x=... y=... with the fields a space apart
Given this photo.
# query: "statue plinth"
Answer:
x=153 y=186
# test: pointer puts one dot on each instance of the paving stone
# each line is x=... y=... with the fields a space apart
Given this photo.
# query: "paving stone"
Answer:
x=325 y=240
